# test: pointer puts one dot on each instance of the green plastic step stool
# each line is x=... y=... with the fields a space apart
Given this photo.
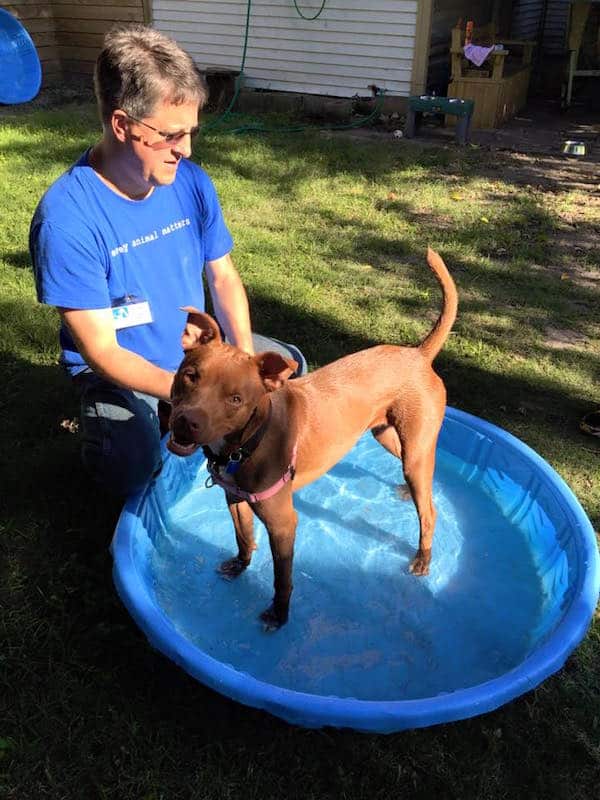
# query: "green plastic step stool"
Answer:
x=425 y=104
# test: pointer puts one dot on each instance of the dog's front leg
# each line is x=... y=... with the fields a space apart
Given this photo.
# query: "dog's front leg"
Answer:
x=243 y=522
x=280 y=519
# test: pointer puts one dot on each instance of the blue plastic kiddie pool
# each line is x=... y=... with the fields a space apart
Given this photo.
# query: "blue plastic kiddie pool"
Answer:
x=513 y=585
x=20 y=69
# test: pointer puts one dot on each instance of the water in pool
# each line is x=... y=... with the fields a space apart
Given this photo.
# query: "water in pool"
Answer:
x=360 y=624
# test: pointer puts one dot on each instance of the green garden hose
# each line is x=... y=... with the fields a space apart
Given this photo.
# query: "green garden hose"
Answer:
x=318 y=14
x=256 y=128
x=238 y=80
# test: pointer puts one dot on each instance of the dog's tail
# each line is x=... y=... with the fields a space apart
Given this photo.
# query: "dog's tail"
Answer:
x=434 y=342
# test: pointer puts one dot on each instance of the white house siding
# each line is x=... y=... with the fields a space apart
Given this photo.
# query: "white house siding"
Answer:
x=352 y=44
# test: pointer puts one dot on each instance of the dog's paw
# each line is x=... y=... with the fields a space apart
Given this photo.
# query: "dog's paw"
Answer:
x=403 y=491
x=271 y=620
x=231 y=568
x=420 y=564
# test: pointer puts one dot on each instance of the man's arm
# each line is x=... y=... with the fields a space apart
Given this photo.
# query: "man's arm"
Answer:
x=94 y=334
x=230 y=302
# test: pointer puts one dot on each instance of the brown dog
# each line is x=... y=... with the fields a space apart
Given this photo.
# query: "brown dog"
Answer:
x=265 y=437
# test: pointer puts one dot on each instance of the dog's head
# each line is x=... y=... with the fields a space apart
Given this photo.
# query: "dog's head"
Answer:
x=218 y=386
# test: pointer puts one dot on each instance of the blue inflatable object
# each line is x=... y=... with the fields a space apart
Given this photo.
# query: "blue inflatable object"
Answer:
x=513 y=585
x=20 y=69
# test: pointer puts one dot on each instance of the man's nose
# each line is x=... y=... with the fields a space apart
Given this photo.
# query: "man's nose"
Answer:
x=183 y=147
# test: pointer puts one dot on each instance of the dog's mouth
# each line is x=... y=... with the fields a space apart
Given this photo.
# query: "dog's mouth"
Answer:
x=181 y=449
x=182 y=442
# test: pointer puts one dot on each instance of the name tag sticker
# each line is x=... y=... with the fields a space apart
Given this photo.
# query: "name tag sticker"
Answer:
x=131 y=314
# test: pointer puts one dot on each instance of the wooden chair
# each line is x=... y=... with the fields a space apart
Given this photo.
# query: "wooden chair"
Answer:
x=499 y=87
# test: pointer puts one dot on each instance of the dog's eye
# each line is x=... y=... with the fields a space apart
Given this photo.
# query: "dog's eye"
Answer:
x=190 y=375
x=235 y=399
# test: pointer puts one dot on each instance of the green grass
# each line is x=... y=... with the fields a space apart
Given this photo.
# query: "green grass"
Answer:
x=330 y=236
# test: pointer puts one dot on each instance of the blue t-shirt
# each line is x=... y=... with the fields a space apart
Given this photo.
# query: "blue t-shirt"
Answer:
x=93 y=249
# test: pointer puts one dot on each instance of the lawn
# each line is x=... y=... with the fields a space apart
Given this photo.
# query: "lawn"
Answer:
x=331 y=231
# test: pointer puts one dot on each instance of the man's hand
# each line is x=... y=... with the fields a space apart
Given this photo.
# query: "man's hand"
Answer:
x=94 y=334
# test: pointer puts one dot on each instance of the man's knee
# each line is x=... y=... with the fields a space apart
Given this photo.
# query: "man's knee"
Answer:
x=122 y=467
x=120 y=439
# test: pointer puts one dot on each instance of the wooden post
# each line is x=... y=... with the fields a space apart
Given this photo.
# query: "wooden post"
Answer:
x=420 y=65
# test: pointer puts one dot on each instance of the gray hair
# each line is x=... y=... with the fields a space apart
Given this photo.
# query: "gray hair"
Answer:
x=139 y=67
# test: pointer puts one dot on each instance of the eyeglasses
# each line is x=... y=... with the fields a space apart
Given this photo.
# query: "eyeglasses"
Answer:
x=167 y=139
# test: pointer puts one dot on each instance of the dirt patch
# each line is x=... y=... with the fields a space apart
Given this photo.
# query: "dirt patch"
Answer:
x=528 y=149
x=564 y=339
x=52 y=97
x=556 y=174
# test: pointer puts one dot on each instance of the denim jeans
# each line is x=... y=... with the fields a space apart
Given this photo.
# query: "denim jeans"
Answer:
x=120 y=430
x=120 y=434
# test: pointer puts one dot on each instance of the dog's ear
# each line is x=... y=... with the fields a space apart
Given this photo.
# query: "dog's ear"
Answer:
x=200 y=328
x=274 y=369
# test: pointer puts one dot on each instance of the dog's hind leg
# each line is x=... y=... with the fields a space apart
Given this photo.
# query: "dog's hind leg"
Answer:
x=243 y=522
x=419 y=477
x=387 y=436
x=419 y=436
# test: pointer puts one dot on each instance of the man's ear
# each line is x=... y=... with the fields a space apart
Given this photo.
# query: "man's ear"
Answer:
x=200 y=328
x=118 y=123
x=274 y=369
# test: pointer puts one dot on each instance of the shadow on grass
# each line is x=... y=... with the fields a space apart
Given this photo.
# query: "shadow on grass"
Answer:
x=19 y=260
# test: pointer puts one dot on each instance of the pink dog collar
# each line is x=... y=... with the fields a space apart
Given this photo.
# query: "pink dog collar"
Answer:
x=253 y=497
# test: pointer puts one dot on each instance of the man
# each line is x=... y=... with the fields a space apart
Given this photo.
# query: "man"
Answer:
x=119 y=244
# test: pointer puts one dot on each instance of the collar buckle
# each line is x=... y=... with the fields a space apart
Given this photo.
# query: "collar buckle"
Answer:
x=234 y=462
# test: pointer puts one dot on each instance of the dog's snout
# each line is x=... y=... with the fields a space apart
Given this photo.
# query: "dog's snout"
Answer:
x=183 y=428
x=192 y=424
